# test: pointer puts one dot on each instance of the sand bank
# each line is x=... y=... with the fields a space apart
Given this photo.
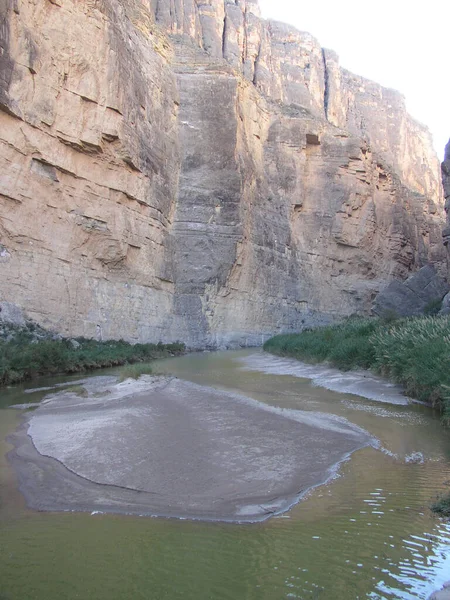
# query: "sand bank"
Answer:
x=165 y=447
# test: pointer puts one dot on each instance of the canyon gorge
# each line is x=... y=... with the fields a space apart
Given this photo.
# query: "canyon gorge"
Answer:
x=185 y=170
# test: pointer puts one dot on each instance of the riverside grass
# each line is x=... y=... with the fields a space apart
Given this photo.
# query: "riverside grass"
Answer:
x=23 y=356
x=442 y=505
x=414 y=352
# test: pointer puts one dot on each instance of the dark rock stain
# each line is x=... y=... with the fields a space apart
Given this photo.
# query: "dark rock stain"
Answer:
x=6 y=62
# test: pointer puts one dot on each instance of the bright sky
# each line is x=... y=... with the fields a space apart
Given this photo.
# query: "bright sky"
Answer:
x=402 y=44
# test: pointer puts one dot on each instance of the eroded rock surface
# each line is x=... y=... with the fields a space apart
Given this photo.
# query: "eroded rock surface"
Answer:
x=446 y=182
x=11 y=314
x=176 y=169
x=421 y=292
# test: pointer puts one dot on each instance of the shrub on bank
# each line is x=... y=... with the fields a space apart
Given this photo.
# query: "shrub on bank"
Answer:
x=442 y=506
x=414 y=352
x=24 y=355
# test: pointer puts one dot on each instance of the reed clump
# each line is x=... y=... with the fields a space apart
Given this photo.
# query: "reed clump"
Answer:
x=135 y=370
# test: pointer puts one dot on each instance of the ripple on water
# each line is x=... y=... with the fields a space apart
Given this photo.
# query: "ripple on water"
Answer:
x=384 y=412
x=369 y=534
x=359 y=383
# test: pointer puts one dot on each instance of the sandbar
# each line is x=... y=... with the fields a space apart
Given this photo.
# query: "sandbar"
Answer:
x=164 y=447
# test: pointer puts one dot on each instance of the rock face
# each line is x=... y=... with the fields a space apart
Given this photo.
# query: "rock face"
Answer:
x=446 y=233
x=177 y=169
x=413 y=296
x=11 y=314
x=446 y=182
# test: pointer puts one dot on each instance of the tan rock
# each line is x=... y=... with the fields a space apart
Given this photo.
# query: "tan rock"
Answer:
x=181 y=170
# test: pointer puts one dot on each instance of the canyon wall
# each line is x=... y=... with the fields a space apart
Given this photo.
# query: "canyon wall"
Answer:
x=184 y=170
x=446 y=182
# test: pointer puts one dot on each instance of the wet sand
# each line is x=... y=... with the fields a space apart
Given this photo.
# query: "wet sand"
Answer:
x=170 y=448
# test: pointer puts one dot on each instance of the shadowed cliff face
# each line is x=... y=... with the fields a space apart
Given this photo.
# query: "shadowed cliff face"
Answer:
x=181 y=170
x=6 y=62
x=446 y=182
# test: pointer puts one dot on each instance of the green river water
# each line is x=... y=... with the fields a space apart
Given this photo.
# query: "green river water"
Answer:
x=366 y=534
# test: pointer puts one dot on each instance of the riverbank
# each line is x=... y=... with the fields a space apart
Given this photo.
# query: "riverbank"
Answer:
x=414 y=352
x=29 y=351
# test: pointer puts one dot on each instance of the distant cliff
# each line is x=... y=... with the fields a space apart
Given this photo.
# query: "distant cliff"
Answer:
x=177 y=169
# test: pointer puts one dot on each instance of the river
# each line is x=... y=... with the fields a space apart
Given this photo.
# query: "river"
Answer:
x=367 y=534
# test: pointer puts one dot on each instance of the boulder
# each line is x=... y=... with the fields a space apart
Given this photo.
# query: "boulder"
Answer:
x=413 y=296
x=445 y=308
x=442 y=594
x=11 y=314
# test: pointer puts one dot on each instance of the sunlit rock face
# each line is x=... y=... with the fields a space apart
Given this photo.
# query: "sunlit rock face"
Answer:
x=174 y=169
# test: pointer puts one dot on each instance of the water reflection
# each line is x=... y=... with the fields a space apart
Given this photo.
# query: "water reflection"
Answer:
x=368 y=534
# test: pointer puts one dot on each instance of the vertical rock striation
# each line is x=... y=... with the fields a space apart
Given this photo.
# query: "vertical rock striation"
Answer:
x=446 y=182
x=177 y=169
x=89 y=163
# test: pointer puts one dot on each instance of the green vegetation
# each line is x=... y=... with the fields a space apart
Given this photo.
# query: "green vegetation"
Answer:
x=413 y=352
x=30 y=351
x=135 y=371
x=442 y=505
x=433 y=308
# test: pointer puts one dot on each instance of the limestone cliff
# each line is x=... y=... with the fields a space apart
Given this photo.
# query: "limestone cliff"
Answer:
x=446 y=182
x=177 y=169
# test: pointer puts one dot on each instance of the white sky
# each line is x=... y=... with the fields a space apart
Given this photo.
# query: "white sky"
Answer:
x=402 y=44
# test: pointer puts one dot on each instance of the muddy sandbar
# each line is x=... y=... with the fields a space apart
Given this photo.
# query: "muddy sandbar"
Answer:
x=170 y=448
